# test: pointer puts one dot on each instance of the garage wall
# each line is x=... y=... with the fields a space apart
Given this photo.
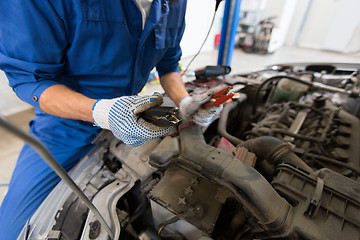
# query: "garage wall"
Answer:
x=326 y=24
x=344 y=27
x=199 y=14
x=284 y=11
x=318 y=23
x=296 y=23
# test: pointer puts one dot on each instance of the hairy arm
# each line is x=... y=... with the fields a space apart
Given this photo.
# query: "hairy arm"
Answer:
x=174 y=86
x=61 y=101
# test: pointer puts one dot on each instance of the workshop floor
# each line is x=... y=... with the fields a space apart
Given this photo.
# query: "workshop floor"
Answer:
x=20 y=113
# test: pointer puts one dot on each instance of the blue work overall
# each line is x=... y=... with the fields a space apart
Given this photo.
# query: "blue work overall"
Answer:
x=95 y=47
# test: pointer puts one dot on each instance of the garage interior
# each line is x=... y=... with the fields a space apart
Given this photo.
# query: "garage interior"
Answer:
x=310 y=31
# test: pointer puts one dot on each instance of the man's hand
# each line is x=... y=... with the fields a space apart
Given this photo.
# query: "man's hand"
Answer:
x=190 y=106
x=120 y=116
x=190 y=109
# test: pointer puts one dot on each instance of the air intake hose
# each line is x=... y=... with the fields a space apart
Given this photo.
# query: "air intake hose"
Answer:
x=274 y=151
x=250 y=187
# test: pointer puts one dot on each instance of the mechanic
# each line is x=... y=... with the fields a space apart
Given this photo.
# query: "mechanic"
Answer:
x=81 y=64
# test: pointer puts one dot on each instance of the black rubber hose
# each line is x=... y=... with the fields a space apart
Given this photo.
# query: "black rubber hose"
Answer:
x=275 y=78
x=335 y=162
x=295 y=135
x=274 y=151
x=251 y=189
x=224 y=120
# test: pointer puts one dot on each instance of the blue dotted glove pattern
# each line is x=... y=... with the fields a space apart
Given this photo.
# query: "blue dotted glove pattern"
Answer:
x=125 y=125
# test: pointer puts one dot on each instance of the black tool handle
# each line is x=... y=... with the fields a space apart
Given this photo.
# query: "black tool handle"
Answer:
x=159 y=116
x=212 y=71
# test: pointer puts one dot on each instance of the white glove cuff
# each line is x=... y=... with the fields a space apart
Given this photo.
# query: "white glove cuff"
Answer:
x=100 y=112
x=183 y=106
x=184 y=101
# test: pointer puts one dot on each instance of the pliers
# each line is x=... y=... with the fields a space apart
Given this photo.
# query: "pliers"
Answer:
x=219 y=97
x=162 y=116
x=167 y=116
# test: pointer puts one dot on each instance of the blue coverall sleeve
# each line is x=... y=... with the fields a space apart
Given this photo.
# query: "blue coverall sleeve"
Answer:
x=32 y=43
x=170 y=61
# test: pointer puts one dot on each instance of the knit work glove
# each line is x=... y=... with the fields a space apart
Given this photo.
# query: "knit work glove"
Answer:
x=190 y=109
x=120 y=115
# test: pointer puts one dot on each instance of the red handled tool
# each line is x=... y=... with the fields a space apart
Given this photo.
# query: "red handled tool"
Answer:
x=219 y=97
x=169 y=116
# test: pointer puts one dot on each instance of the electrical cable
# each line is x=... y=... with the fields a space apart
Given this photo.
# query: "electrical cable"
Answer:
x=56 y=167
x=168 y=222
x=187 y=125
x=207 y=35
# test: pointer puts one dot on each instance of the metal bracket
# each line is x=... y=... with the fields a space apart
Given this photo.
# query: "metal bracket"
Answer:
x=313 y=203
x=54 y=235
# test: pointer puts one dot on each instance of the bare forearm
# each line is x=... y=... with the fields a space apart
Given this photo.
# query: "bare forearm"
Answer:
x=61 y=101
x=174 y=86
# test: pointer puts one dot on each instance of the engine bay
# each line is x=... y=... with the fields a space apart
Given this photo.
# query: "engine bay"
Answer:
x=281 y=161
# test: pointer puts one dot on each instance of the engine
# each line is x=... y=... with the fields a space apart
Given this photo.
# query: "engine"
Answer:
x=280 y=162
